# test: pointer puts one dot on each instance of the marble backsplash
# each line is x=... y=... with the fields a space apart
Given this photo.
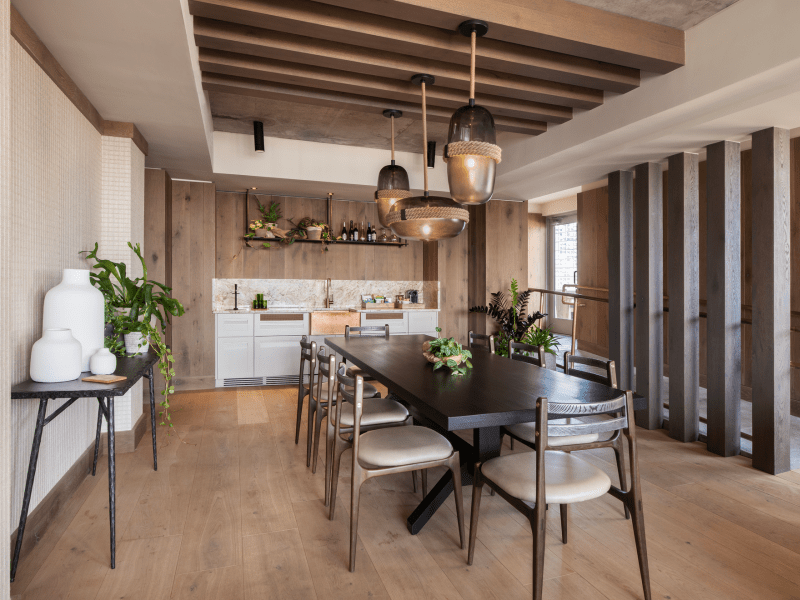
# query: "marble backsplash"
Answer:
x=310 y=293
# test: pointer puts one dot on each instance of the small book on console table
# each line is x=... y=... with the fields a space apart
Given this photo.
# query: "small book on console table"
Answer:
x=104 y=378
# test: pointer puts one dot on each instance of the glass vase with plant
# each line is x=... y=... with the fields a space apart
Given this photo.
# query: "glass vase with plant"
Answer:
x=138 y=305
x=510 y=311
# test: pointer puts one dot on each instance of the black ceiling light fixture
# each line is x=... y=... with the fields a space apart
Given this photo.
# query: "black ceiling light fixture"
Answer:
x=392 y=180
x=431 y=154
x=258 y=135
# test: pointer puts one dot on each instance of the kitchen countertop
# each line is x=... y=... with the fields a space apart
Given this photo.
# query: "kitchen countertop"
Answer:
x=300 y=309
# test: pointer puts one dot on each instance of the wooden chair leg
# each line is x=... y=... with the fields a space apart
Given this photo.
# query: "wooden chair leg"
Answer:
x=424 y=482
x=328 y=460
x=414 y=481
x=539 y=529
x=564 y=510
x=619 y=454
x=477 y=489
x=641 y=545
x=312 y=409
x=338 y=449
x=355 y=498
x=455 y=469
x=300 y=395
x=315 y=451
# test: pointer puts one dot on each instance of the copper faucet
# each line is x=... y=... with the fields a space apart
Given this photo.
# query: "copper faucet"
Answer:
x=328 y=294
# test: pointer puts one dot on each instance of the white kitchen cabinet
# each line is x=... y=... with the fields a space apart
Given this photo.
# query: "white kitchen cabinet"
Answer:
x=277 y=359
x=233 y=325
x=397 y=320
x=234 y=358
x=423 y=321
x=281 y=324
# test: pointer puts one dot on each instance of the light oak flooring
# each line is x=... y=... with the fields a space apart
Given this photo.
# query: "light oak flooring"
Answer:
x=233 y=513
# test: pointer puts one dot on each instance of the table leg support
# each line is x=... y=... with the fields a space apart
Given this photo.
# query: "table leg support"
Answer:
x=112 y=474
x=153 y=418
x=435 y=498
x=97 y=437
x=26 y=499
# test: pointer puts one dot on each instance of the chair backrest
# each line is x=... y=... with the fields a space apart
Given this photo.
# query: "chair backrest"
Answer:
x=367 y=331
x=308 y=353
x=609 y=368
x=478 y=339
x=533 y=354
x=326 y=369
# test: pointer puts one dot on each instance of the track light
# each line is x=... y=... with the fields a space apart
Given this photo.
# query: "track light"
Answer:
x=258 y=135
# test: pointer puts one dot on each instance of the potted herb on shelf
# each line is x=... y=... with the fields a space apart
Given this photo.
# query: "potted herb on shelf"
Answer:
x=269 y=214
x=510 y=313
x=140 y=308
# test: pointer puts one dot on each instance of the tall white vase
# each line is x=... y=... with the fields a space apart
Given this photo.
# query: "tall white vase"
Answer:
x=56 y=357
x=77 y=305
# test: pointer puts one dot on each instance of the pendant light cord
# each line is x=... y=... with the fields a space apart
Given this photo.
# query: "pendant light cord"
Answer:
x=473 y=38
x=424 y=140
x=392 y=139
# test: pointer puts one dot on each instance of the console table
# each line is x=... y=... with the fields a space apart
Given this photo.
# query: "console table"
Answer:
x=134 y=368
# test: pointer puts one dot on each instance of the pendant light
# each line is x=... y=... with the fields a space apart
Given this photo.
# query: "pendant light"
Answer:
x=392 y=180
x=426 y=218
x=471 y=152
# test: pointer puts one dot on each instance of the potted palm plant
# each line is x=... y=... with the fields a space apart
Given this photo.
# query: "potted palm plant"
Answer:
x=140 y=310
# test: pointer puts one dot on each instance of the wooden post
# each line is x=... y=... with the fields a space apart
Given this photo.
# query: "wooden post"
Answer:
x=771 y=300
x=684 y=296
x=724 y=285
x=649 y=292
x=620 y=275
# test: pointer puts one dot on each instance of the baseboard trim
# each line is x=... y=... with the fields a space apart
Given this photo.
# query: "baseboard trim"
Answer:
x=126 y=441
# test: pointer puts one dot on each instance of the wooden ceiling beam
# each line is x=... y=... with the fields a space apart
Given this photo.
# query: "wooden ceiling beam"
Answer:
x=555 y=25
x=278 y=45
x=254 y=67
x=332 y=23
x=306 y=95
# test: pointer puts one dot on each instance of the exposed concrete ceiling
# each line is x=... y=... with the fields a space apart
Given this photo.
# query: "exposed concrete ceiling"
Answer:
x=681 y=14
x=289 y=120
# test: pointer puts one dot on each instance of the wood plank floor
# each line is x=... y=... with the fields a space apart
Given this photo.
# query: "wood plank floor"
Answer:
x=233 y=513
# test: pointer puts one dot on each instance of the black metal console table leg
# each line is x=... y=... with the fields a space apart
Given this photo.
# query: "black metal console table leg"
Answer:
x=112 y=475
x=153 y=417
x=486 y=445
x=26 y=499
x=97 y=438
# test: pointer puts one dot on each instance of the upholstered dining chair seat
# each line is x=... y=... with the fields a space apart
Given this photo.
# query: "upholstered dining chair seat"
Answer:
x=322 y=394
x=568 y=479
x=527 y=432
x=398 y=446
x=375 y=411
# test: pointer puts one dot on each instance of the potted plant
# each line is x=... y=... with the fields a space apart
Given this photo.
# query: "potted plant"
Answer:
x=138 y=306
x=269 y=214
x=510 y=312
x=540 y=336
x=257 y=229
x=314 y=230
x=447 y=352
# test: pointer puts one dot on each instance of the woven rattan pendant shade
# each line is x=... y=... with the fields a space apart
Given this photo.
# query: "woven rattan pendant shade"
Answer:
x=472 y=153
x=426 y=218
x=392 y=180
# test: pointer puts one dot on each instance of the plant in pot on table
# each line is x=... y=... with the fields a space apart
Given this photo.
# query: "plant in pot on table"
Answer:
x=447 y=352
x=138 y=309
x=510 y=313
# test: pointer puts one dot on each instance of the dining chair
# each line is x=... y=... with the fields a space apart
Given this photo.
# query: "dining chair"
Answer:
x=308 y=355
x=526 y=353
x=366 y=331
x=529 y=481
x=389 y=450
x=319 y=403
x=477 y=340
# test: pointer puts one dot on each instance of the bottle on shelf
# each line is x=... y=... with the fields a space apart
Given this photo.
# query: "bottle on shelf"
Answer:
x=363 y=236
x=370 y=233
x=344 y=231
x=353 y=232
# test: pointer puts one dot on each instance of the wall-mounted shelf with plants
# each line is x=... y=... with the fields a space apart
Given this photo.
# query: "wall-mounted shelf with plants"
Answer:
x=337 y=242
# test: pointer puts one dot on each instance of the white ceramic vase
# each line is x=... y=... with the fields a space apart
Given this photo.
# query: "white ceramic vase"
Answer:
x=103 y=362
x=75 y=304
x=133 y=341
x=56 y=357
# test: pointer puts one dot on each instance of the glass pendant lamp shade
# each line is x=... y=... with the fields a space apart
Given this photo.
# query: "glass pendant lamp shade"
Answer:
x=472 y=153
x=392 y=180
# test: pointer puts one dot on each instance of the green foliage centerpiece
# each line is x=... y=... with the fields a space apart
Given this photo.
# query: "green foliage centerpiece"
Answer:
x=132 y=305
x=447 y=352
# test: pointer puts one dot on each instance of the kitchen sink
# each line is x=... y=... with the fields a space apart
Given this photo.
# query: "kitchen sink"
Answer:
x=333 y=322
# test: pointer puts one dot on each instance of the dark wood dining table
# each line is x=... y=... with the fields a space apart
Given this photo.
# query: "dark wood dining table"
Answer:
x=495 y=392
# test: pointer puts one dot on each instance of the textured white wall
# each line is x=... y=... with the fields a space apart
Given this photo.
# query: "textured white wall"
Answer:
x=5 y=291
x=54 y=192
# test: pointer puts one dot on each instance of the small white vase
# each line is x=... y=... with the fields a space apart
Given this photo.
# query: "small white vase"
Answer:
x=56 y=357
x=75 y=304
x=133 y=341
x=103 y=362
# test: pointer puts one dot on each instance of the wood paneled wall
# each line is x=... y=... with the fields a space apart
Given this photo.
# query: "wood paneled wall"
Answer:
x=537 y=252
x=593 y=267
x=307 y=261
x=446 y=261
x=193 y=253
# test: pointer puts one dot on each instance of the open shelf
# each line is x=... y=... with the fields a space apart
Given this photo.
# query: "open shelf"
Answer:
x=305 y=241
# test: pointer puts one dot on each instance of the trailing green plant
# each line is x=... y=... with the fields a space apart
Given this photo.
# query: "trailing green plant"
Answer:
x=117 y=322
x=510 y=311
x=132 y=305
x=299 y=230
x=446 y=349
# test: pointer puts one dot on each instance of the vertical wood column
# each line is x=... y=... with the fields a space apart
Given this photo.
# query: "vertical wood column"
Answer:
x=620 y=275
x=771 y=300
x=649 y=292
x=684 y=296
x=724 y=289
